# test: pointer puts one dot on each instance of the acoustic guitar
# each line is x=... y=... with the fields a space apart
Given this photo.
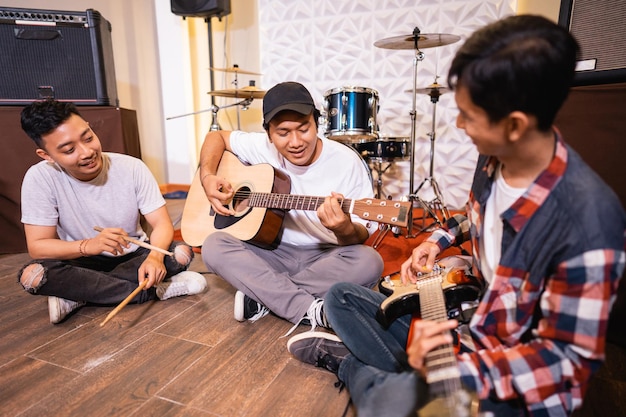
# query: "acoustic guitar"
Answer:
x=260 y=200
x=436 y=296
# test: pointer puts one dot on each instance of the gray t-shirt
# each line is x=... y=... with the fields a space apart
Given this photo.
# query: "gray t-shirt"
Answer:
x=124 y=189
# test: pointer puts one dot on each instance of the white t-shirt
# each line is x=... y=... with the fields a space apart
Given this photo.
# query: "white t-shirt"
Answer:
x=501 y=198
x=339 y=168
x=124 y=188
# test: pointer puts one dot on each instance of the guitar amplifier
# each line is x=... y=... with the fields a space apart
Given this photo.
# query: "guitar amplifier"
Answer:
x=63 y=55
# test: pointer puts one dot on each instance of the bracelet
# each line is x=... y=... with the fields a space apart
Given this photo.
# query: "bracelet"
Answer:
x=82 y=247
x=203 y=177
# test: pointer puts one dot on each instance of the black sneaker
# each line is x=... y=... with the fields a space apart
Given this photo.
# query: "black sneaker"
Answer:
x=248 y=309
x=324 y=350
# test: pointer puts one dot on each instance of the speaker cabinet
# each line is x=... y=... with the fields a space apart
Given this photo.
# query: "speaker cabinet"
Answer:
x=63 y=55
x=599 y=27
x=201 y=8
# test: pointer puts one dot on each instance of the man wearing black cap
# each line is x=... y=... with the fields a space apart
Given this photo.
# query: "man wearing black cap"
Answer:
x=317 y=248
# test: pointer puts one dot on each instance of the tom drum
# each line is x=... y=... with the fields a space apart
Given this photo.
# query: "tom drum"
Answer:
x=351 y=114
x=385 y=149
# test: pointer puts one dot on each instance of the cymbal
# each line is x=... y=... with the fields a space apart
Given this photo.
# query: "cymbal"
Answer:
x=433 y=89
x=234 y=69
x=245 y=92
x=424 y=40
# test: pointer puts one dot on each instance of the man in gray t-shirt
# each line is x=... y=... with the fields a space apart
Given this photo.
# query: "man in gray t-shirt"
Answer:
x=76 y=189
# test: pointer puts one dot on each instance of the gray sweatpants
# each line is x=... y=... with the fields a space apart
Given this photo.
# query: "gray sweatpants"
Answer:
x=287 y=279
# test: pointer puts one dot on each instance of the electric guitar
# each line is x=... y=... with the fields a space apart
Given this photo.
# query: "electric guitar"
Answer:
x=436 y=296
x=461 y=293
x=260 y=200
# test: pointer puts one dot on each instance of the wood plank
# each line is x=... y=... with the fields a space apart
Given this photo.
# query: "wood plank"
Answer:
x=209 y=321
x=238 y=370
x=158 y=407
x=122 y=384
x=25 y=380
x=314 y=395
x=132 y=323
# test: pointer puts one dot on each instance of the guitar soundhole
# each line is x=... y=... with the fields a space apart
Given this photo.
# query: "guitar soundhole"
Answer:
x=240 y=203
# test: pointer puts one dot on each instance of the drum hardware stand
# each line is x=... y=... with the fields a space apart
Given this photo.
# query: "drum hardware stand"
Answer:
x=411 y=42
x=214 y=109
x=382 y=232
x=419 y=56
x=378 y=167
x=235 y=82
x=437 y=204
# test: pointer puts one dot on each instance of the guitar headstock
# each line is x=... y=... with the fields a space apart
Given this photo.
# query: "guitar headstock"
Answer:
x=395 y=213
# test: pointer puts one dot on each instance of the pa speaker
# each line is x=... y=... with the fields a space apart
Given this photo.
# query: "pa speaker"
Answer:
x=201 y=8
x=63 y=55
x=599 y=27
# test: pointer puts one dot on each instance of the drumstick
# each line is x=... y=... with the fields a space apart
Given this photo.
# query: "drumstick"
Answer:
x=123 y=303
x=139 y=243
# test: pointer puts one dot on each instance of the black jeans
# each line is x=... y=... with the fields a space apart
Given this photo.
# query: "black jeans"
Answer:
x=99 y=279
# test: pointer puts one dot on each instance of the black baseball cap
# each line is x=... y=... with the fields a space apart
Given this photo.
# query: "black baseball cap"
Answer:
x=289 y=95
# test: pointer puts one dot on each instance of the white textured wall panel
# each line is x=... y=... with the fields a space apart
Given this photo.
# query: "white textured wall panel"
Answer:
x=329 y=44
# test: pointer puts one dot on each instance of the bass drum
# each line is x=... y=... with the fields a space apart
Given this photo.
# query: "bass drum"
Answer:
x=351 y=114
x=385 y=149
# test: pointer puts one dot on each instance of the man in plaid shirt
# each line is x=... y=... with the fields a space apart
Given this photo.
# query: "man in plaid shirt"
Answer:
x=548 y=239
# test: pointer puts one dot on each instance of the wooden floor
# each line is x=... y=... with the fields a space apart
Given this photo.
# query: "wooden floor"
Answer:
x=186 y=356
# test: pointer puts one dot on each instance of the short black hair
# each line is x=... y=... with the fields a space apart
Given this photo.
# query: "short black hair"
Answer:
x=42 y=117
x=519 y=63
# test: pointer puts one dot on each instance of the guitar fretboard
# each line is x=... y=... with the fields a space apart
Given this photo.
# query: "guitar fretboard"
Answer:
x=443 y=372
x=286 y=201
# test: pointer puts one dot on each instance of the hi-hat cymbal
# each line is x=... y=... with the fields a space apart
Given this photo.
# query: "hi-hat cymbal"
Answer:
x=424 y=40
x=433 y=89
x=245 y=92
x=234 y=69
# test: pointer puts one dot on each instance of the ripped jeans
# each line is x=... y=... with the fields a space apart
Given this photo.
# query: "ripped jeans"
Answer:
x=100 y=279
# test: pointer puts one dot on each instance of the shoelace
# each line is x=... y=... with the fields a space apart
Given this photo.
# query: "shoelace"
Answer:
x=166 y=290
x=263 y=311
x=314 y=315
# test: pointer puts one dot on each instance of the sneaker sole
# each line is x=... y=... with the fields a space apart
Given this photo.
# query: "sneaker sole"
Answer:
x=54 y=312
x=313 y=335
x=239 y=307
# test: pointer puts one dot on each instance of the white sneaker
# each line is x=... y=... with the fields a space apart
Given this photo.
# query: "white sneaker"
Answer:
x=59 y=308
x=183 y=283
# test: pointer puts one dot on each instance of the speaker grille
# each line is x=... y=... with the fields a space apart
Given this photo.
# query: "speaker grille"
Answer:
x=200 y=8
x=64 y=55
x=63 y=63
x=600 y=28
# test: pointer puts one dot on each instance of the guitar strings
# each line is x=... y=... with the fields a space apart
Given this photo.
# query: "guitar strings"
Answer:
x=284 y=200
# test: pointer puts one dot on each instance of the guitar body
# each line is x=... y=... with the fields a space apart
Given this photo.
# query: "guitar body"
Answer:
x=461 y=293
x=258 y=225
x=457 y=404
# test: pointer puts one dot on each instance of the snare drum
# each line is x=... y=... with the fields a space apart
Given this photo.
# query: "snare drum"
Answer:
x=386 y=149
x=351 y=114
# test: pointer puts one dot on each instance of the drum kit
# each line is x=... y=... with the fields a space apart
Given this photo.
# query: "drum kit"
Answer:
x=350 y=116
